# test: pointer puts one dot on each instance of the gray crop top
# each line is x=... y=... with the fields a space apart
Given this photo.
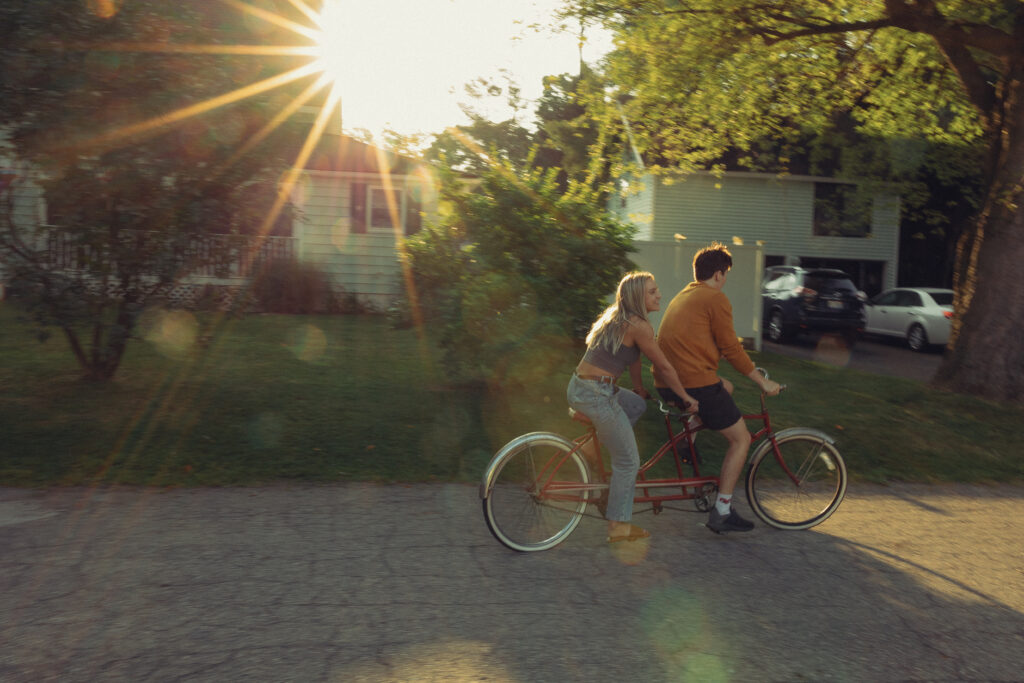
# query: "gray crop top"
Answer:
x=613 y=363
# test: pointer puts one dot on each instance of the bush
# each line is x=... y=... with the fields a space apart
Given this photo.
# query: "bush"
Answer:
x=287 y=285
x=512 y=262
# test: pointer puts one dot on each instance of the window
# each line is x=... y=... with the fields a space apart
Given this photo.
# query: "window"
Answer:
x=385 y=209
x=785 y=283
x=774 y=279
x=841 y=211
x=375 y=208
x=827 y=282
x=907 y=298
x=886 y=299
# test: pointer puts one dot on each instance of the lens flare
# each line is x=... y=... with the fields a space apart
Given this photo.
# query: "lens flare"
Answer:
x=674 y=621
x=832 y=349
x=173 y=333
x=341 y=235
x=307 y=342
x=104 y=9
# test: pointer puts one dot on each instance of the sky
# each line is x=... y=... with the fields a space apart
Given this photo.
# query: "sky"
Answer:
x=403 y=64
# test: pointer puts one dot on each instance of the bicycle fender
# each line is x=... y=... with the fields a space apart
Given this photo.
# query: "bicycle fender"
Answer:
x=791 y=431
x=488 y=478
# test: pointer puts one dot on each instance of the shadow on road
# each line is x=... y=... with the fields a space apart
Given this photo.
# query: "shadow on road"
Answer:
x=395 y=583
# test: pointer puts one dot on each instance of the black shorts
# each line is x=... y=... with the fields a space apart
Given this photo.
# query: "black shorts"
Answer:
x=717 y=409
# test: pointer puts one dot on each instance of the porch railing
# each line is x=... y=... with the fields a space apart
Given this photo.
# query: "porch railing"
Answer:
x=195 y=255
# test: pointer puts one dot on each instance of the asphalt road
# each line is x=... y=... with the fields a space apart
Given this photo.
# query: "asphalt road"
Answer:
x=404 y=583
x=873 y=354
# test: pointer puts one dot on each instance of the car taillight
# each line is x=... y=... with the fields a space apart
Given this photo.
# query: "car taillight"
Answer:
x=805 y=291
x=947 y=314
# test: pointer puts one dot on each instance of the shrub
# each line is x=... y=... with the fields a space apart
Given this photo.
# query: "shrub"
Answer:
x=287 y=285
x=511 y=262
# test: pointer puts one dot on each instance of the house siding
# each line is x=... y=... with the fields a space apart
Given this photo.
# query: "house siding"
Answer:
x=777 y=211
x=28 y=208
x=365 y=265
x=634 y=203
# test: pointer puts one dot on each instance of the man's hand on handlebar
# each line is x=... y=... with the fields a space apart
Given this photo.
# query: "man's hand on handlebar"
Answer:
x=760 y=377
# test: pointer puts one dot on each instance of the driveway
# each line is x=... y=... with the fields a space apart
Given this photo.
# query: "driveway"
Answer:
x=359 y=582
x=876 y=355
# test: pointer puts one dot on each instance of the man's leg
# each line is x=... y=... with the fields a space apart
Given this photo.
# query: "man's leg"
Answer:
x=738 y=437
x=722 y=517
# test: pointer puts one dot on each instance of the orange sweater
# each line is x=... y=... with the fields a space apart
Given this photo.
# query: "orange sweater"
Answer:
x=696 y=331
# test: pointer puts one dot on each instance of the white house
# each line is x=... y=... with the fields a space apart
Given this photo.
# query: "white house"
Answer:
x=801 y=220
x=355 y=203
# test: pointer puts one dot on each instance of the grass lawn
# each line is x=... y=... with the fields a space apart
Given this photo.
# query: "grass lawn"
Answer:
x=207 y=401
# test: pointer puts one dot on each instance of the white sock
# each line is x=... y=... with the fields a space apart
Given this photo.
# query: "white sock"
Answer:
x=723 y=504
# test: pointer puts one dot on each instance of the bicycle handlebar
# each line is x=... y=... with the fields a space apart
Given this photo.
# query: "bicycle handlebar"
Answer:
x=667 y=409
x=764 y=372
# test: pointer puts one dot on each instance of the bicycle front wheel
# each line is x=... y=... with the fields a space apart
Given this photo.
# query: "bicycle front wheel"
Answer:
x=797 y=482
x=536 y=491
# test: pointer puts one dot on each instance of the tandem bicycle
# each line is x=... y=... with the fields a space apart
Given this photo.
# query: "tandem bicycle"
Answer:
x=537 y=487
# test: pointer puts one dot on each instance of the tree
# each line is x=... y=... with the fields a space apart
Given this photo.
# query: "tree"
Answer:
x=88 y=94
x=567 y=130
x=476 y=147
x=514 y=270
x=705 y=76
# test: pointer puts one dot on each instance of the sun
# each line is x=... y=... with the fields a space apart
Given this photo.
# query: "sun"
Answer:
x=399 y=64
x=380 y=58
x=335 y=51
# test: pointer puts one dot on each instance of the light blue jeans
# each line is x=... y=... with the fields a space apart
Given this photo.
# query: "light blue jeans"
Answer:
x=613 y=411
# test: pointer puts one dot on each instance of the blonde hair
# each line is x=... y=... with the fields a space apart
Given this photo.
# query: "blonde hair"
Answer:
x=630 y=300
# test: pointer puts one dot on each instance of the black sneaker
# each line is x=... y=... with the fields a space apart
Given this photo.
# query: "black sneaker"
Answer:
x=720 y=523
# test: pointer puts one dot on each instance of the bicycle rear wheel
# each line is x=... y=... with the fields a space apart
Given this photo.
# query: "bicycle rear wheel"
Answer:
x=535 y=492
x=798 y=483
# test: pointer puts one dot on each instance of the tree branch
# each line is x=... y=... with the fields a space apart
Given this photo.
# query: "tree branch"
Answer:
x=955 y=40
x=772 y=37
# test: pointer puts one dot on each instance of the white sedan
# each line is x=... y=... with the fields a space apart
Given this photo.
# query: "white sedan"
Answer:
x=921 y=315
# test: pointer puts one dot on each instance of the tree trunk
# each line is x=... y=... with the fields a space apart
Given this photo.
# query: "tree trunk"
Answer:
x=986 y=353
x=987 y=357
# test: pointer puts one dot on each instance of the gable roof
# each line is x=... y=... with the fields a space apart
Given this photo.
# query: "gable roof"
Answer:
x=341 y=153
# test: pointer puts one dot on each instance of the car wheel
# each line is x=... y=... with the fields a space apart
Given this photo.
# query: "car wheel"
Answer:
x=776 y=329
x=917 y=338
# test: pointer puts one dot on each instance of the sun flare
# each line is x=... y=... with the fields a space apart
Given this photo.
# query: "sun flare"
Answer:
x=334 y=42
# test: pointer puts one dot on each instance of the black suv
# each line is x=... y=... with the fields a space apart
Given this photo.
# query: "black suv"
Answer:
x=803 y=299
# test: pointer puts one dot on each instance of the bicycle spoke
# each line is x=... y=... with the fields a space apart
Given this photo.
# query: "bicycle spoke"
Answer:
x=539 y=492
x=803 y=474
x=798 y=483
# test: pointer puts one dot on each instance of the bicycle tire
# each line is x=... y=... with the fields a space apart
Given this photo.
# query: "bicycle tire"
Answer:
x=820 y=487
x=520 y=515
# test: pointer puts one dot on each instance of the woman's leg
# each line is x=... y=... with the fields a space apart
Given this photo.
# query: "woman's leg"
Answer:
x=633 y=405
x=616 y=433
x=614 y=425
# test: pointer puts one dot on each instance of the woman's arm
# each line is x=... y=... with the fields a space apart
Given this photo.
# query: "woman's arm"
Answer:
x=637 y=377
x=643 y=337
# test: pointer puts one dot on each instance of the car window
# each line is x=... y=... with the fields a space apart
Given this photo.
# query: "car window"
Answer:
x=828 y=283
x=942 y=298
x=885 y=299
x=777 y=279
x=771 y=280
x=899 y=298
x=911 y=299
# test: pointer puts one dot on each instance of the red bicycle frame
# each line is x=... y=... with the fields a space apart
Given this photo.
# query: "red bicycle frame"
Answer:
x=650 y=489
